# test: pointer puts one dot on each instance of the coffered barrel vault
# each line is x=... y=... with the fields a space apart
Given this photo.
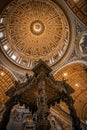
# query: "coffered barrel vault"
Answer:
x=76 y=76
x=79 y=8
x=6 y=81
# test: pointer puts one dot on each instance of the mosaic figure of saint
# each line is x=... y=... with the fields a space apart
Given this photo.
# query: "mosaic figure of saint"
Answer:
x=83 y=44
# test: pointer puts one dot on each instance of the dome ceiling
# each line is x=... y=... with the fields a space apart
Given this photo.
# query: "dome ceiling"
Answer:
x=76 y=76
x=6 y=81
x=32 y=30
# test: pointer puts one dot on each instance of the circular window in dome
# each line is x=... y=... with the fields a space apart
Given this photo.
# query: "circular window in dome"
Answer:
x=32 y=30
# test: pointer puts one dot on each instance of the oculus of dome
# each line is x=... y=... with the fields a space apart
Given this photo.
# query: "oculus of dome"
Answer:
x=37 y=27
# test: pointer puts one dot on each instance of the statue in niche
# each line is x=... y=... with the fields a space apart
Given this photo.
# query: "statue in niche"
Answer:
x=56 y=123
x=53 y=125
x=83 y=44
